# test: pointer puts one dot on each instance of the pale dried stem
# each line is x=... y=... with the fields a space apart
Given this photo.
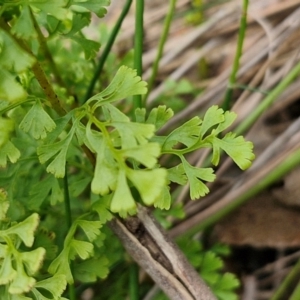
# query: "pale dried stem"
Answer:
x=173 y=274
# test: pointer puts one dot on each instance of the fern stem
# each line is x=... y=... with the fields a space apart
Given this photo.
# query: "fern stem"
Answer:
x=296 y=293
x=16 y=104
x=67 y=200
x=72 y=294
x=289 y=282
x=107 y=49
x=138 y=47
x=166 y=28
x=268 y=100
x=134 y=282
x=238 y=54
x=48 y=89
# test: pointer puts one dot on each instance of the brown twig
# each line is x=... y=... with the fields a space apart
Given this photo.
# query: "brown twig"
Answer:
x=153 y=250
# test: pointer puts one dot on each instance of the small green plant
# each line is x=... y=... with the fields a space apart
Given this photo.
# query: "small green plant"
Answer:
x=69 y=166
x=210 y=263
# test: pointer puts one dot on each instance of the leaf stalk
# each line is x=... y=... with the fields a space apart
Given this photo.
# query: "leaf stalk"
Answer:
x=107 y=49
x=162 y=41
x=138 y=47
x=238 y=54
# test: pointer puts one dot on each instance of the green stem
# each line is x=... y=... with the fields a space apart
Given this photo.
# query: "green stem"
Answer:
x=14 y=105
x=251 y=89
x=107 y=49
x=134 y=282
x=283 y=168
x=67 y=200
x=72 y=294
x=288 y=283
x=161 y=45
x=72 y=291
x=296 y=293
x=116 y=153
x=268 y=100
x=138 y=47
x=238 y=54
